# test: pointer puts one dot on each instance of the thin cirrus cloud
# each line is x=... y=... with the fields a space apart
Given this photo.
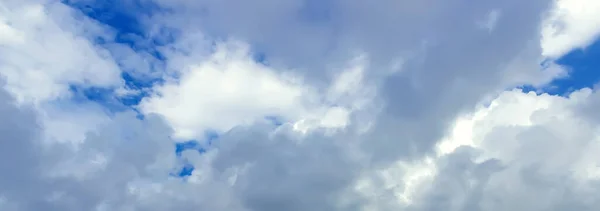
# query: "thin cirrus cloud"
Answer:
x=295 y=105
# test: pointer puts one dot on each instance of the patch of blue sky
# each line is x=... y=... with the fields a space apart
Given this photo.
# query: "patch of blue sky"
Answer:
x=134 y=83
x=201 y=147
x=584 y=70
x=124 y=16
x=188 y=145
x=107 y=98
x=583 y=66
x=185 y=171
x=102 y=96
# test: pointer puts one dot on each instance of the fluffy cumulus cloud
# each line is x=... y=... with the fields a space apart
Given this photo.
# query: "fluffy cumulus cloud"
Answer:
x=309 y=105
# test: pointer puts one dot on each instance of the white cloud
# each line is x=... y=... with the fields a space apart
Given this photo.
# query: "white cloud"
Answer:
x=543 y=135
x=229 y=89
x=45 y=49
x=572 y=24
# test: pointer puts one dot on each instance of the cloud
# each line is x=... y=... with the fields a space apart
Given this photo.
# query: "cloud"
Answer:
x=571 y=25
x=380 y=107
x=230 y=87
x=51 y=45
x=523 y=152
x=467 y=62
x=57 y=176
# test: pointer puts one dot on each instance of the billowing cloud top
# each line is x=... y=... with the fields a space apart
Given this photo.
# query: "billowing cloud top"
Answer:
x=298 y=105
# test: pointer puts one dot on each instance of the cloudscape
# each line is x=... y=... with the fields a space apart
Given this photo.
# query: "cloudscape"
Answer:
x=299 y=105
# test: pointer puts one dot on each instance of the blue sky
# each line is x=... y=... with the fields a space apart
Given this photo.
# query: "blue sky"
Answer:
x=584 y=66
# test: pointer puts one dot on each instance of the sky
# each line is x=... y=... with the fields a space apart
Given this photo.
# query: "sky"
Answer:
x=582 y=64
x=298 y=105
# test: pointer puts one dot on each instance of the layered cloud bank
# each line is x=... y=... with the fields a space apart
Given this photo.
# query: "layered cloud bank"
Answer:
x=295 y=105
